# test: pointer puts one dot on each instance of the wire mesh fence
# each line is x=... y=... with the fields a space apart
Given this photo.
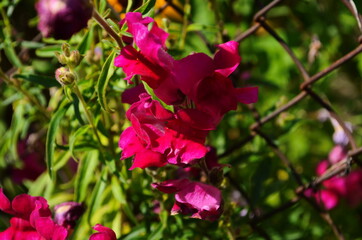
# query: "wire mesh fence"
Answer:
x=260 y=20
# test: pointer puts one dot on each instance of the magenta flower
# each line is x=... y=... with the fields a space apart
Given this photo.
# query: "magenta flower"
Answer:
x=131 y=95
x=158 y=136
x=33 y=161
x=198 y=199
x=205 y=81
x=151 y=62
x=62 y=18
x=103 y=233
x=31 y=219
x=347 y=187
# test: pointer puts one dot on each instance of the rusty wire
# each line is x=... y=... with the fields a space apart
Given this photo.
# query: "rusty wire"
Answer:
x=306 y=90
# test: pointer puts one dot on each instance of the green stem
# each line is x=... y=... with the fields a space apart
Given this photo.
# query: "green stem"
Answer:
x=87 y=113
x=100 y=20
x=15 y=84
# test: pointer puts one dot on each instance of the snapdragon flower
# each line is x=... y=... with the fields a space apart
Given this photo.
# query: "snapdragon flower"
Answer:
x=31 y=219
x=193 y=198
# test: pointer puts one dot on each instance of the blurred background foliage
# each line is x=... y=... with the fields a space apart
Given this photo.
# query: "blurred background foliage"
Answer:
x=124 y=200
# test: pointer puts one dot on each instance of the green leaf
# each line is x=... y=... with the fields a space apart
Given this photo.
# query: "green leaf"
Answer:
x=76 y=109
x=11 y=54
x=96 y=197
x=50 y=140
x=85 y=175
x=119 y=193
x=86 y=42
x=113 y=25
x=74 y=137
x=47 y=51
x=146 y=7
x=45 y=81
x=30 y=44
x=150 y=91
x=106 y=73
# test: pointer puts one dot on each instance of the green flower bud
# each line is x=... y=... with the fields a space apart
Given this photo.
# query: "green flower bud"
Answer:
x=61 y=58
x=66 y=49
x=74 y=58
x=64 y=76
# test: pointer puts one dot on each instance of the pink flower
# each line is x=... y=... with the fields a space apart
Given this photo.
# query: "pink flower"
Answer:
x=348 y=187
x=103 y=233
x=205 y=81
x=151 y=62
x=32 y=156
x=131 y=95
x=31 y=219
x=158 y=136
x=198 y=199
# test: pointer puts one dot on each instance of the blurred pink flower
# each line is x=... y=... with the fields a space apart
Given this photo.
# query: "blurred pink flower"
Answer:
x=32 y=160
x=198 y=199
x=347 y=187
x=62 y=18
x=31 y=219
x=103 y=233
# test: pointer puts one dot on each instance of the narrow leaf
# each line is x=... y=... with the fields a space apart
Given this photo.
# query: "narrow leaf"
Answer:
x=86 y=42
x=50 y=140
x=85 y=175
x=96 y=198
x=106 y=73
x=45 y=81
x=47 y=51
x=74 y=137
x=146 y=7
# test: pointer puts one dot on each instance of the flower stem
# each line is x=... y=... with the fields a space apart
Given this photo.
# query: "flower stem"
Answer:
x=87 y=113
x=101 y=21
x=15 y=83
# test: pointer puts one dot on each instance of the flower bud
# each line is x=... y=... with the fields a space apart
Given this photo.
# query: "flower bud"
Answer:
x=64 y=76
x=66 y=214
x=74 y=58
x=66 y=49
x=62 y=18
x=61 y=58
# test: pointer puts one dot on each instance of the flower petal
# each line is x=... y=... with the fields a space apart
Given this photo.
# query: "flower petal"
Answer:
x=227 y=59
x=104 y=233
x=171 y=186
x=190 y=70
x=247 y=95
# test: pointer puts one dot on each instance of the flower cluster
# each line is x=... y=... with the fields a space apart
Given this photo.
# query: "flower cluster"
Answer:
x=31 y=219
x=339 y=187
x=200 y=91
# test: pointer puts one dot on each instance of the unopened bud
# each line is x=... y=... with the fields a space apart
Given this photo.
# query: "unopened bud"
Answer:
x=66 y=214
x=64 y=76
x=61 y=58
x=74 y=58
x=66 y=49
